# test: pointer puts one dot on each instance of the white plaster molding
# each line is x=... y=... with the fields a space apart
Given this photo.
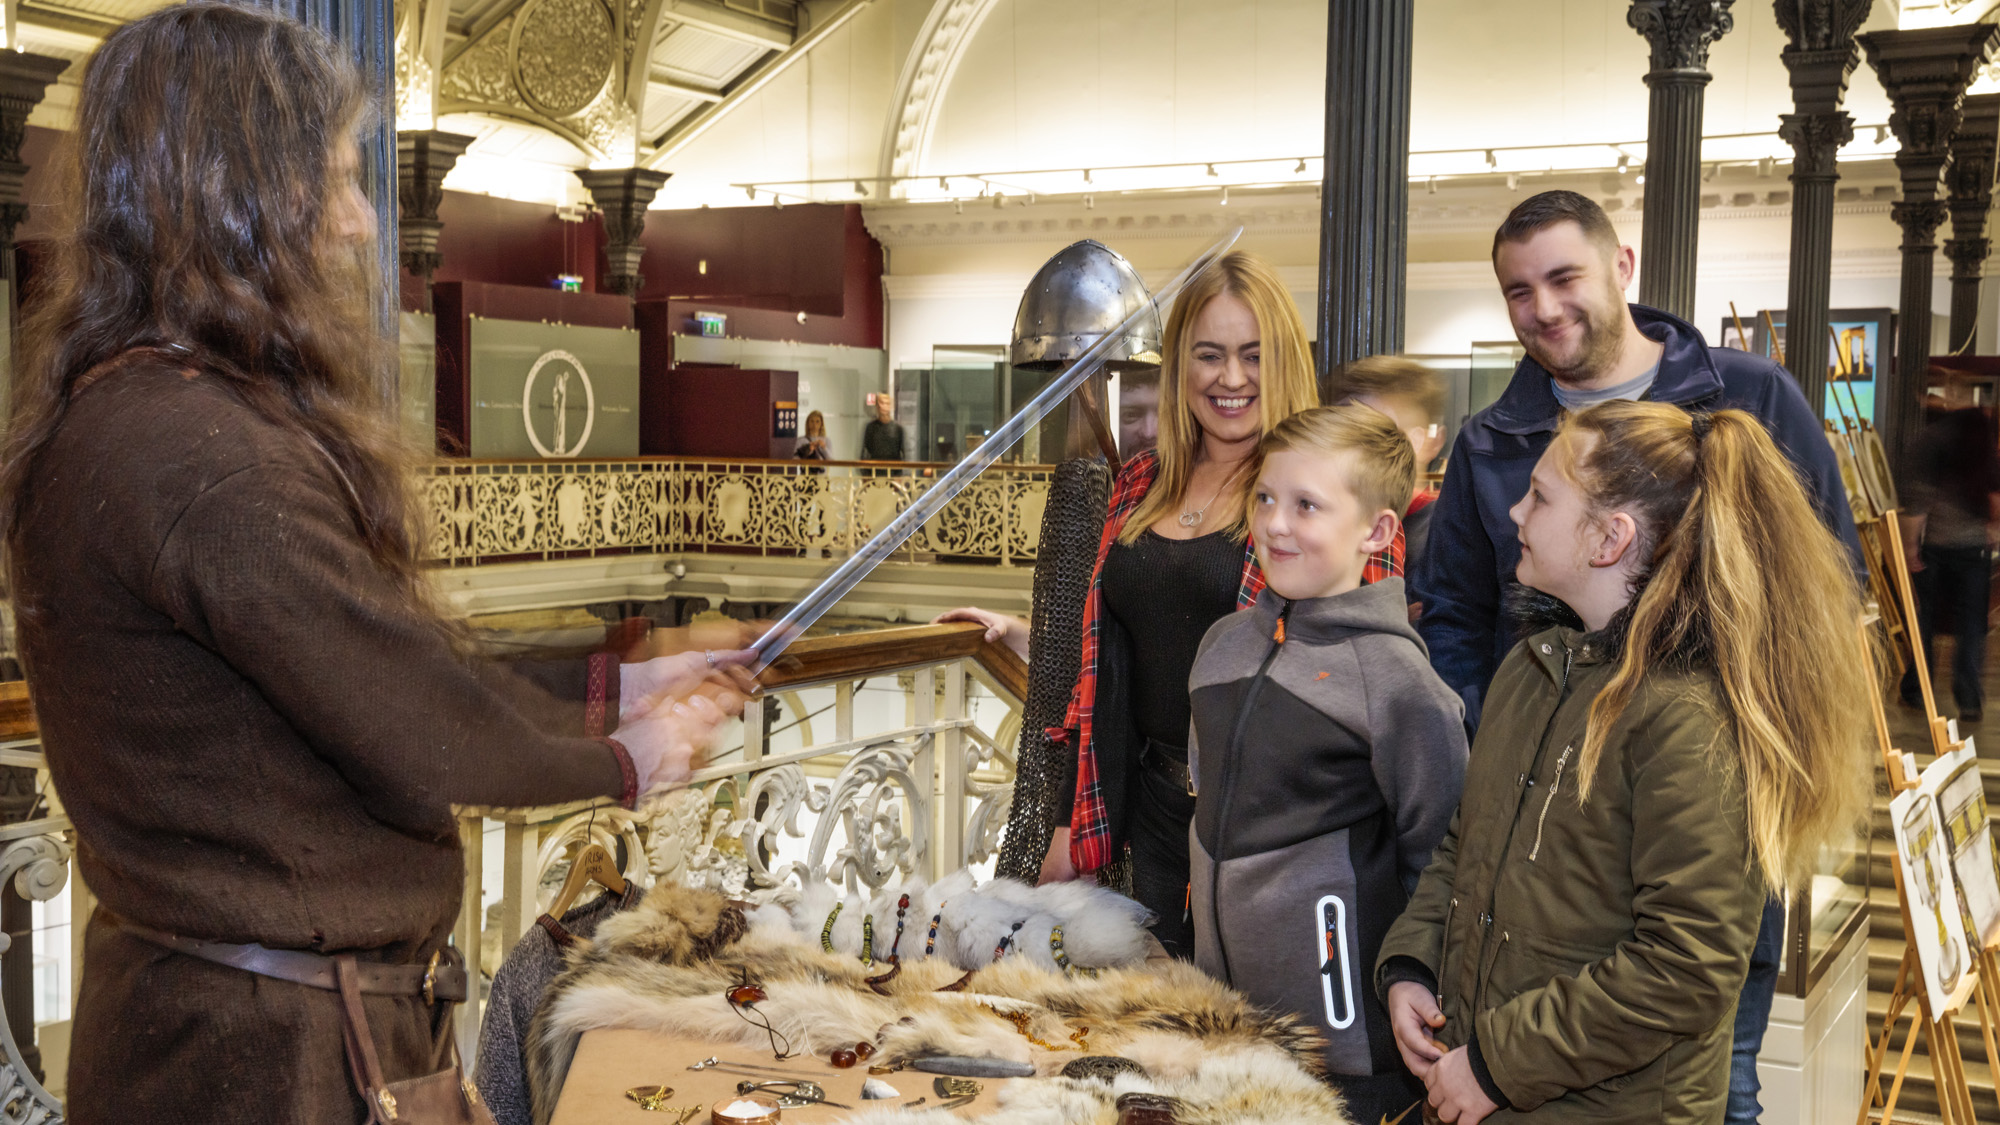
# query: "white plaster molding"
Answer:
x=953 y=286
x=921 y=86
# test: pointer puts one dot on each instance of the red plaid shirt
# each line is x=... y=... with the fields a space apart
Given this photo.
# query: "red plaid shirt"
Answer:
x=1090 y=844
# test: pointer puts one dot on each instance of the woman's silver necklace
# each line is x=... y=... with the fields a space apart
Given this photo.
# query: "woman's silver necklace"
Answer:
x=1193 y=519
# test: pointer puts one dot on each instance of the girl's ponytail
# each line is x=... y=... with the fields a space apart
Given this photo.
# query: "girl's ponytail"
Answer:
x=1741 y=576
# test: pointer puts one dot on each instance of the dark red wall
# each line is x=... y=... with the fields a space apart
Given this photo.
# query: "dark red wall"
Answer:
x=458 y=301
x=765 y=266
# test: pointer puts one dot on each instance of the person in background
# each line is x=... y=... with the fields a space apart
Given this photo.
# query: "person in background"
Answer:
x=814 y=446
x=1951 y=513
x=1413 y=397
x=1669 y=746
x=1563 y=275
x=883 y=439
x=1138 y=413
x=1327 y=755
x=257 y=719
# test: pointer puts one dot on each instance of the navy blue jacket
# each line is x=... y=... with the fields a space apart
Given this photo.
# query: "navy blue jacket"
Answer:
x=1473 y=550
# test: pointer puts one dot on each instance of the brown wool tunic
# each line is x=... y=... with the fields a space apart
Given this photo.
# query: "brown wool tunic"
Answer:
x=258 y=741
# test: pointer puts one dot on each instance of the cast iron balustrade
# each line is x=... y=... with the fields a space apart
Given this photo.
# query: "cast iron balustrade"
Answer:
x=489 y=511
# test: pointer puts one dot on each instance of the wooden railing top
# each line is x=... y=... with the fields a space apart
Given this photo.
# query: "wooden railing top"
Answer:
x=853 y=655
x=695 y=459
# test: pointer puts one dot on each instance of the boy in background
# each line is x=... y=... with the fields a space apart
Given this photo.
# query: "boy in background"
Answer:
x=1328 y=757
x=1413 y=396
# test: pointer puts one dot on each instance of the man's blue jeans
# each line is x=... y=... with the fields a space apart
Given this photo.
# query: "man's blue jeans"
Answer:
x=1753 y=1012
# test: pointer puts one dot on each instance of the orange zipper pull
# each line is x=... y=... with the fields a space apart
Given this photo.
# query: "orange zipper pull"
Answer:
x=1279 y=636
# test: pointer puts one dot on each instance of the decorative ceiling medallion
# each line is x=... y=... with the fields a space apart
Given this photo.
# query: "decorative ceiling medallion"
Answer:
x=563 y=54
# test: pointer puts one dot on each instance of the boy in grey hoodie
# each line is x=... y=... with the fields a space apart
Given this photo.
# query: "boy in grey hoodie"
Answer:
x=1326 y=755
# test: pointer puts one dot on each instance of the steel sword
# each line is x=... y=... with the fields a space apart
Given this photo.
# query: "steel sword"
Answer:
x=884 y=543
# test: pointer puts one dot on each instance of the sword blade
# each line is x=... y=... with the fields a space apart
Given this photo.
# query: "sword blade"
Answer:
x=884 y=543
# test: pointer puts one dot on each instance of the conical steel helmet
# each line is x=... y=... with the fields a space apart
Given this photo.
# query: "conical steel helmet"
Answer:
x=1077 y=298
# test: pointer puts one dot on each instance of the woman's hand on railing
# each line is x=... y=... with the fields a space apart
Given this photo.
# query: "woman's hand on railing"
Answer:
x=668 y=743
x=1001 y=628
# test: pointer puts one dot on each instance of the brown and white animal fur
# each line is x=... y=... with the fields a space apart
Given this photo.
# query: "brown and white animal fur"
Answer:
x=667 y=963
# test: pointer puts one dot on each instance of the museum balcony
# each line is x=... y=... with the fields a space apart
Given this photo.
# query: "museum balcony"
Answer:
x=671 y=537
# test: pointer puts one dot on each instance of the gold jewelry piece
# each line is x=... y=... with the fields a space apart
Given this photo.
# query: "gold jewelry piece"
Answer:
x=652 y=1098
x=1021 y=1020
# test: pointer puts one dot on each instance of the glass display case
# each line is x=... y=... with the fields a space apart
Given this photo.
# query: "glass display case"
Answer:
x=1826 y=913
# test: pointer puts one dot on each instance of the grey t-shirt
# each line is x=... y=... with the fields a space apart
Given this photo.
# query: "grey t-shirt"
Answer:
x=1632 y=390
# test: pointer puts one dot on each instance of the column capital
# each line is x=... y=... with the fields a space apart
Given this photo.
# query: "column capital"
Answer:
x=623 y=194
x=423 y=158
x=24 y=79
x=1925 y=72
x=1816 y=139
x=1679 y=33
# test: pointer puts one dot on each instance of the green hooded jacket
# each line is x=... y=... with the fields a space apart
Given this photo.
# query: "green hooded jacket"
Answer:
x=1591 y=954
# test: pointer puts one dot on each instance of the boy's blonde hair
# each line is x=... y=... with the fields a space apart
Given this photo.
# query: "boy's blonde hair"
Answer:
x=1391 y=376
x=1376 y=462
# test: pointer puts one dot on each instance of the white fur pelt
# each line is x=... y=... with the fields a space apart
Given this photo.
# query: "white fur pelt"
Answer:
x=666 y=965
x=1101 y=928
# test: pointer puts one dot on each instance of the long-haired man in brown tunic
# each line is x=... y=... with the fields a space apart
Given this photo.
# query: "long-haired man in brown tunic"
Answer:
x=255 y=723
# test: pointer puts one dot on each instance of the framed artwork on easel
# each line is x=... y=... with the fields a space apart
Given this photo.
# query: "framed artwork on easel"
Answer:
x=1867 y=335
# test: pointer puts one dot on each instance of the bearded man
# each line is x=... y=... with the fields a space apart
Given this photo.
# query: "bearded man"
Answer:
x=1564 y=274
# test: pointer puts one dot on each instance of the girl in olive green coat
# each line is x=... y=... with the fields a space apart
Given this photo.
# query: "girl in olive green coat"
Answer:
x=1643 y=777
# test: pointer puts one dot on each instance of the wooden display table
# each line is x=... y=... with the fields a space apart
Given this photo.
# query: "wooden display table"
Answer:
x=611 y=1061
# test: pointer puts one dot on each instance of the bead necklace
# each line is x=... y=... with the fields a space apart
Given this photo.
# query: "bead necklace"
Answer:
x=826 y=931
x=895 y=946
x=1061 y=956
x=868 y=940
x=1006 y=940
x=930 y=940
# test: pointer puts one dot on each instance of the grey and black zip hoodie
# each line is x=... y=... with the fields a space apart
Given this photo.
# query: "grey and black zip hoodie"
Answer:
x=1328 y=760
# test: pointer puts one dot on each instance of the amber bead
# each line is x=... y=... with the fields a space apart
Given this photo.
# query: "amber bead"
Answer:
x=746 y=994
x=864 y=1050
x=843 y=1058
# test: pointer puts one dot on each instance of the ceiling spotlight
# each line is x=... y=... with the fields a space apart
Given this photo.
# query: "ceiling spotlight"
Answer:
x=1090 y=203
x=1881 y=134
x=1640 y=179
x=999 y=200
x=1432 y=185
x=958 y=206
x=1086 y=177
x=860 y=188
x=1766 y=166
x=777 y=202
x=1707 y=172
x=802 y=316
x=944 y=182
x=701 y=267
x=1225 y=197
x=1211 y=169
x=1513 y=180
x=1301 y=167
x=1492 y=161
x=752 y=193
x=1624 y=161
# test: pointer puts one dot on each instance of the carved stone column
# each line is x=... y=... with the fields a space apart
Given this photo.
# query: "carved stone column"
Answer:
x=1925 y=72
x=1679 y=33
x=623 y=194
x=1971 y=183
x=423 y=159
x=24 y=79
x=1365 y=196
x=1821 y=56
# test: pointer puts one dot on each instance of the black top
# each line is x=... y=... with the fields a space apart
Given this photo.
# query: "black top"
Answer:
x=1166 y=593
x=882 y=441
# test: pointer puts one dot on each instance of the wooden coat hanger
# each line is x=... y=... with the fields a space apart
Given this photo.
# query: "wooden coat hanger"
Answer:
x=593 y=864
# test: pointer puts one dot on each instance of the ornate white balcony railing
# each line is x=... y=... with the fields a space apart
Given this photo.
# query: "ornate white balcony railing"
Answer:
x=483 y=511
x=926 y=790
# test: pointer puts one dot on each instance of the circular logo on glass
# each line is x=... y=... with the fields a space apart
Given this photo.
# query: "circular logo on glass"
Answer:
x=558 y=405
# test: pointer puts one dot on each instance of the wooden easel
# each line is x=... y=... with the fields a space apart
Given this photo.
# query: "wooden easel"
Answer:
x=1981 y=980
x=1852 y=434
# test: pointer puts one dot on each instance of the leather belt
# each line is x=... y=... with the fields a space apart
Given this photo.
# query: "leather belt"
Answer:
x=442 y=979
x=1172 y=769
